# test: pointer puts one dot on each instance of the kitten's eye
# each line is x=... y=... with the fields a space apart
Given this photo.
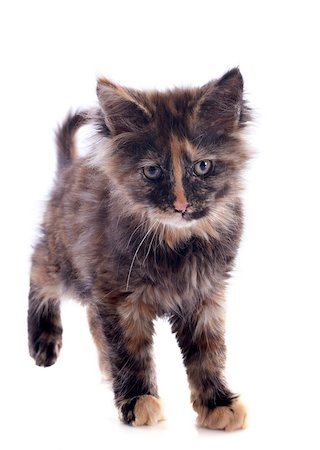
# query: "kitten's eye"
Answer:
x=152 y=172
x=202 y=167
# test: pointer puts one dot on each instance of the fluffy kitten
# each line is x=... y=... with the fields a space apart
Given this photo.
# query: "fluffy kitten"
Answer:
x=147 y=225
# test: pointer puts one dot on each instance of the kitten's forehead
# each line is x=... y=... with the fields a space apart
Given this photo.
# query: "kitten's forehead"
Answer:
x=175 y=147
x=177 y=101
x=173 y=112
x=180 y=145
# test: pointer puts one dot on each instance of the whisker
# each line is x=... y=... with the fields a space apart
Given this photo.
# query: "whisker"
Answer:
x=136 y=253
x=135 y=230
x=149 y=248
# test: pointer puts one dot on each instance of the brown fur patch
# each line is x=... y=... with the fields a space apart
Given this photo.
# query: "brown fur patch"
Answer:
x=227 y=418
x=147 y=411
x=136 y=320
x=176 y=150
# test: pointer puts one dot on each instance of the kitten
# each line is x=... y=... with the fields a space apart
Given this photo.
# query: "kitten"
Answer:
x=147 y=225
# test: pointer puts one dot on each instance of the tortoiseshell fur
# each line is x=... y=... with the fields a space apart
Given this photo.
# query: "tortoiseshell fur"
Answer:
x=118 y=242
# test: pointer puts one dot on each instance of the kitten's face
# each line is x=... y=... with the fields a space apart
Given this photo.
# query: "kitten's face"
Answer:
x=176 y=154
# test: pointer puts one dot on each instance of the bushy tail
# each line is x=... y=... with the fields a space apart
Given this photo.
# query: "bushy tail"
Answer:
x=65 y=138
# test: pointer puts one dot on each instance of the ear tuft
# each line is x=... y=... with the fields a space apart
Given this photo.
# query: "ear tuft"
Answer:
x=221 y=107
x=124 y=109
x=231 y=80
x=104 y=81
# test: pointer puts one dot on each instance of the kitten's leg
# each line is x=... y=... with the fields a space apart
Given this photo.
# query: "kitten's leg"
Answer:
x=44 y=328
x=44 y=321
x=201 y=339
x=128 y=328
x=95 y=324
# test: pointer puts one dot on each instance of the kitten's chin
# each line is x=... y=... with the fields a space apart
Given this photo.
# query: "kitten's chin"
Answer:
x=174 y=221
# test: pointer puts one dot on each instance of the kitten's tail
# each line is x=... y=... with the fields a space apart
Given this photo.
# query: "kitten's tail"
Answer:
x=65 y=134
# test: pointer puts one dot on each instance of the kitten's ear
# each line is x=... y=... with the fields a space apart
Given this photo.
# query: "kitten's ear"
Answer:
x=221 y=107
x=124 y=109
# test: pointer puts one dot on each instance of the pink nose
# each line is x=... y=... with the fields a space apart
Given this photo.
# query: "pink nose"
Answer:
x=180 y=206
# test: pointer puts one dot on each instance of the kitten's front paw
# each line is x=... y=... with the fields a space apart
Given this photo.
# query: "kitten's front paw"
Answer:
x=45 y=353
x=144 y=410
x=228 y=418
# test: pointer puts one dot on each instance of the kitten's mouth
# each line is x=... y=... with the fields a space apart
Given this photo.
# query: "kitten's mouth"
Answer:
x=178 y=220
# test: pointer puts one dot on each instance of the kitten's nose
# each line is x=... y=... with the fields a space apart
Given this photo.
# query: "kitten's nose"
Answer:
x=180 y=206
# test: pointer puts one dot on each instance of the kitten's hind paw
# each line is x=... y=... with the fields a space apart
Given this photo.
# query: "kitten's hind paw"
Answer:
x=227 y=418
x=144 y=410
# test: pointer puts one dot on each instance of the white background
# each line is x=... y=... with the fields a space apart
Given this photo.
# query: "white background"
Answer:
x=51 y=53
